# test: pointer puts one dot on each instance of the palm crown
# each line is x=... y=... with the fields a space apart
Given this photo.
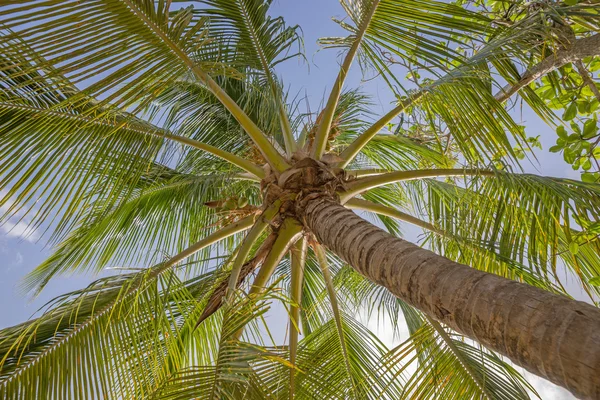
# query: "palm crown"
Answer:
x=138 y=133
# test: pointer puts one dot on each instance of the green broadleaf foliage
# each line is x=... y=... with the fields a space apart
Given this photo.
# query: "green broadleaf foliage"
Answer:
x=570 y=112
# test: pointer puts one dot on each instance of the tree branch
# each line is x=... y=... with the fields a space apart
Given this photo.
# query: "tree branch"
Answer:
x=580 y=49
x=587 y=79
x=586 y=47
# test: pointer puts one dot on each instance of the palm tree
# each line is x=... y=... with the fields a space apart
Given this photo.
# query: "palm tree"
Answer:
x=131 y=131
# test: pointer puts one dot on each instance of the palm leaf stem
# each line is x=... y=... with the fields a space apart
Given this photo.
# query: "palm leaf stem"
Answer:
x=360 y=204
x=273 y=157
x=259 y=227
x=298 y=261
x=323 y=265
x=286 y=128
x=289 y=232
x=350 y=152
x=332 y=102
x=221 y=234
x=359 y=173
x=216 y=300
x=361 y=185
x=240 y=162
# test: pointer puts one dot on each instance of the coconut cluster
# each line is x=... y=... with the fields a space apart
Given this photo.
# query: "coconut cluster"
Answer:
x=305 y=179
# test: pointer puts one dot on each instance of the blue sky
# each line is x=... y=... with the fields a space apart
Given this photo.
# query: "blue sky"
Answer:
x=20 y=252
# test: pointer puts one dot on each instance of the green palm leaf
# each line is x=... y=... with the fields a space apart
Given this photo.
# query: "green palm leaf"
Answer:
x=239 y=369
x=143 y=226
x=514 y=213
x=125 y=126
x=455 y=95
x=113 y=330
x=261 y=43
x=451 y=368
x=433 y=362
x=58 y=150
x=320 y=355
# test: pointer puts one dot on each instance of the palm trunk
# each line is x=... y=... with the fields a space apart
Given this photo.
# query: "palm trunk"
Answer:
x=550 y=335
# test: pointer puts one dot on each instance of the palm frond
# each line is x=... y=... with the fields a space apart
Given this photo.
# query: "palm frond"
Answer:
x=446 y=366
x=526 y=220
x=349 y=118
x=239 y=369
x=55 y=151
x=454 y=98
x=110 y=339
x=432 y=363
x=190 y=109
x=261 y=43
x=136 y=44
x=396 y=152
x=363 y=12
x=321 y=361
x=162 y=218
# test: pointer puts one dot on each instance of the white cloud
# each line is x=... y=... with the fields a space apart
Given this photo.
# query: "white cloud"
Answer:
x=18 y=258
x=545 y=389
x=384 y=329
x=16 y=229
x=19 y=230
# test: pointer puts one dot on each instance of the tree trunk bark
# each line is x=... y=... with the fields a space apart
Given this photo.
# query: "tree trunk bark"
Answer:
x=550 y=335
